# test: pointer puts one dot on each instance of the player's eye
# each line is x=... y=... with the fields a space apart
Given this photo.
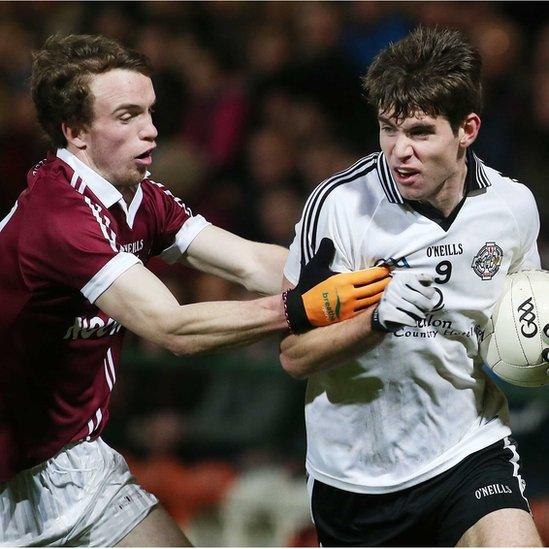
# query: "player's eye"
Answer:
x=421 y=132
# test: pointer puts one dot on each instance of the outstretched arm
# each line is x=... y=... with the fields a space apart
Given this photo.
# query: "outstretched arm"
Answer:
x=254 y=265
x=143 y=304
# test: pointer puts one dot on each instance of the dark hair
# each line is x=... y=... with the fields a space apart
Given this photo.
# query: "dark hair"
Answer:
x=434 y=71
x=61 y=73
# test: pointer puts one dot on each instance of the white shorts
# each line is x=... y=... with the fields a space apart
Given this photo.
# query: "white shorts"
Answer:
x=83 y=496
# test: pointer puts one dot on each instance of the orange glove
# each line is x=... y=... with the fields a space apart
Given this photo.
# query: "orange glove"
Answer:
x=322 y=297
x=344 y=295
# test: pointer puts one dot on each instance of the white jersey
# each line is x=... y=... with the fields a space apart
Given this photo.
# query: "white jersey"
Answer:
x=418 y=402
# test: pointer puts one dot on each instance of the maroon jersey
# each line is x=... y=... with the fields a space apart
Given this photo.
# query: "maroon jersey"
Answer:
x=69 y=236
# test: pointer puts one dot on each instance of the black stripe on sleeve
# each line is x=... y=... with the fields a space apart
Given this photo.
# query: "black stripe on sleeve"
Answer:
x=311 y=213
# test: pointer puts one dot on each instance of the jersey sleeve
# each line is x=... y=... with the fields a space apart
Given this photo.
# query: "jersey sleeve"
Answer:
x=323 y=216
x=526 y=215
x=177 y=226
x=68 y=240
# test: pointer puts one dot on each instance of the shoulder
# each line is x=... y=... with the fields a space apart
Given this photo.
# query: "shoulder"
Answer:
x=356 y=185
x=53 y=189
x=514 y=194
x=162 y=195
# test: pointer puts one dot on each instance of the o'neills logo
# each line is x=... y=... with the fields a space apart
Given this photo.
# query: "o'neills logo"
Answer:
x=492 y=490
x=330 y=312
x=133 y=247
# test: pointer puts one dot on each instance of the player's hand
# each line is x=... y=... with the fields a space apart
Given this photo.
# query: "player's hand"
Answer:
x=407 y=299
x=323 y=297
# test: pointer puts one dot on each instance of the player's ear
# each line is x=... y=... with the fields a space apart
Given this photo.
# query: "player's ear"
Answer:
x=468 y=129
x=74 y=136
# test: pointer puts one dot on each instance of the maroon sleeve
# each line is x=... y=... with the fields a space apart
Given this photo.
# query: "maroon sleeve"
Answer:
x=66 y=239
x=177 y=225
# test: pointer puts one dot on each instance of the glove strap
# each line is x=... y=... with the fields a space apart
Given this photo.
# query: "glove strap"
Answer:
x=285 y=302
x=294 y=311
x=376 y=324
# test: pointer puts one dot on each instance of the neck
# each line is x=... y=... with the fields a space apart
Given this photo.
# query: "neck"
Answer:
x=451 y=192
x=127 y=193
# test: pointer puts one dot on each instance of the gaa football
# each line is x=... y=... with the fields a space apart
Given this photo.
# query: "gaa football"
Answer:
x=517 y=335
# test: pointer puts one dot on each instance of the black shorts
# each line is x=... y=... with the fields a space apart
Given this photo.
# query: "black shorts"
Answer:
x=435 y=513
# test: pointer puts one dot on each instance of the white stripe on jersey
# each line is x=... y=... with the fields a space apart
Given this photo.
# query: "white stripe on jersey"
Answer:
x=104 y=223
x=93 y=426
x=110 y=382
x=111 y=364
x=311 y=211
x=98 y=417
x=177 y=200
x=78 y=183
x=107 y=375
x=481 y=175
x=109 y=369
x=4 y=221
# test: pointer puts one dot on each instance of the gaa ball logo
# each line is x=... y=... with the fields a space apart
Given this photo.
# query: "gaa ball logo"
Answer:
x=527 y=318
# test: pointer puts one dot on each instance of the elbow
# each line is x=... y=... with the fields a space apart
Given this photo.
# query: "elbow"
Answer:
x=177 y=350
x=293 y=367
x=181 y=346
x=254 y=282
x=177 y=344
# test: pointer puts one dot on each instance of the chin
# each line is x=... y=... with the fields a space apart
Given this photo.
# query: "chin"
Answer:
x=128 y=180
x=410 y=194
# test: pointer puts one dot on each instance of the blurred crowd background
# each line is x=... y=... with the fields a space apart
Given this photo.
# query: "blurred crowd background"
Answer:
x=257 y=102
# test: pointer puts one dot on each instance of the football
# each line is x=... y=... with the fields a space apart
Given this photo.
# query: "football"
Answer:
x=516 y=338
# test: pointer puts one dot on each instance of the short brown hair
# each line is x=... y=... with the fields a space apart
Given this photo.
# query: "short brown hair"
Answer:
x=434 y=71
x=60 y=77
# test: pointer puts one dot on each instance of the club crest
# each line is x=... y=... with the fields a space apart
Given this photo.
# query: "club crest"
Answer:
x=487 y=261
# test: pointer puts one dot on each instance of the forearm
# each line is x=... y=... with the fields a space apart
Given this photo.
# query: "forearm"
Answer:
x=254 y=265
x=265 y=273
x=142 y=304
x=324 y=348
x=208 y=327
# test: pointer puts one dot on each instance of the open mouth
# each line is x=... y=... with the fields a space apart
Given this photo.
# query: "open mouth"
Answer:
x=405 y=175
x=144 y=155
x=145 y=158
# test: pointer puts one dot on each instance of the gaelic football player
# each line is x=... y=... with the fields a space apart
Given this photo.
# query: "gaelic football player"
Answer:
x=409 y=441
x=72 y=277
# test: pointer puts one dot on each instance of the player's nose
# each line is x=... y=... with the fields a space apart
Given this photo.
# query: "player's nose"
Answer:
x=403 y=147
x=148 y=132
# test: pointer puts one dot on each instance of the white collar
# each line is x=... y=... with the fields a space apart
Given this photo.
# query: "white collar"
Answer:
x=105 y=191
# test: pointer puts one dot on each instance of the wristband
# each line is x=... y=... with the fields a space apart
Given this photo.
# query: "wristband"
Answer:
x=294 y=312
x=376 y=324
